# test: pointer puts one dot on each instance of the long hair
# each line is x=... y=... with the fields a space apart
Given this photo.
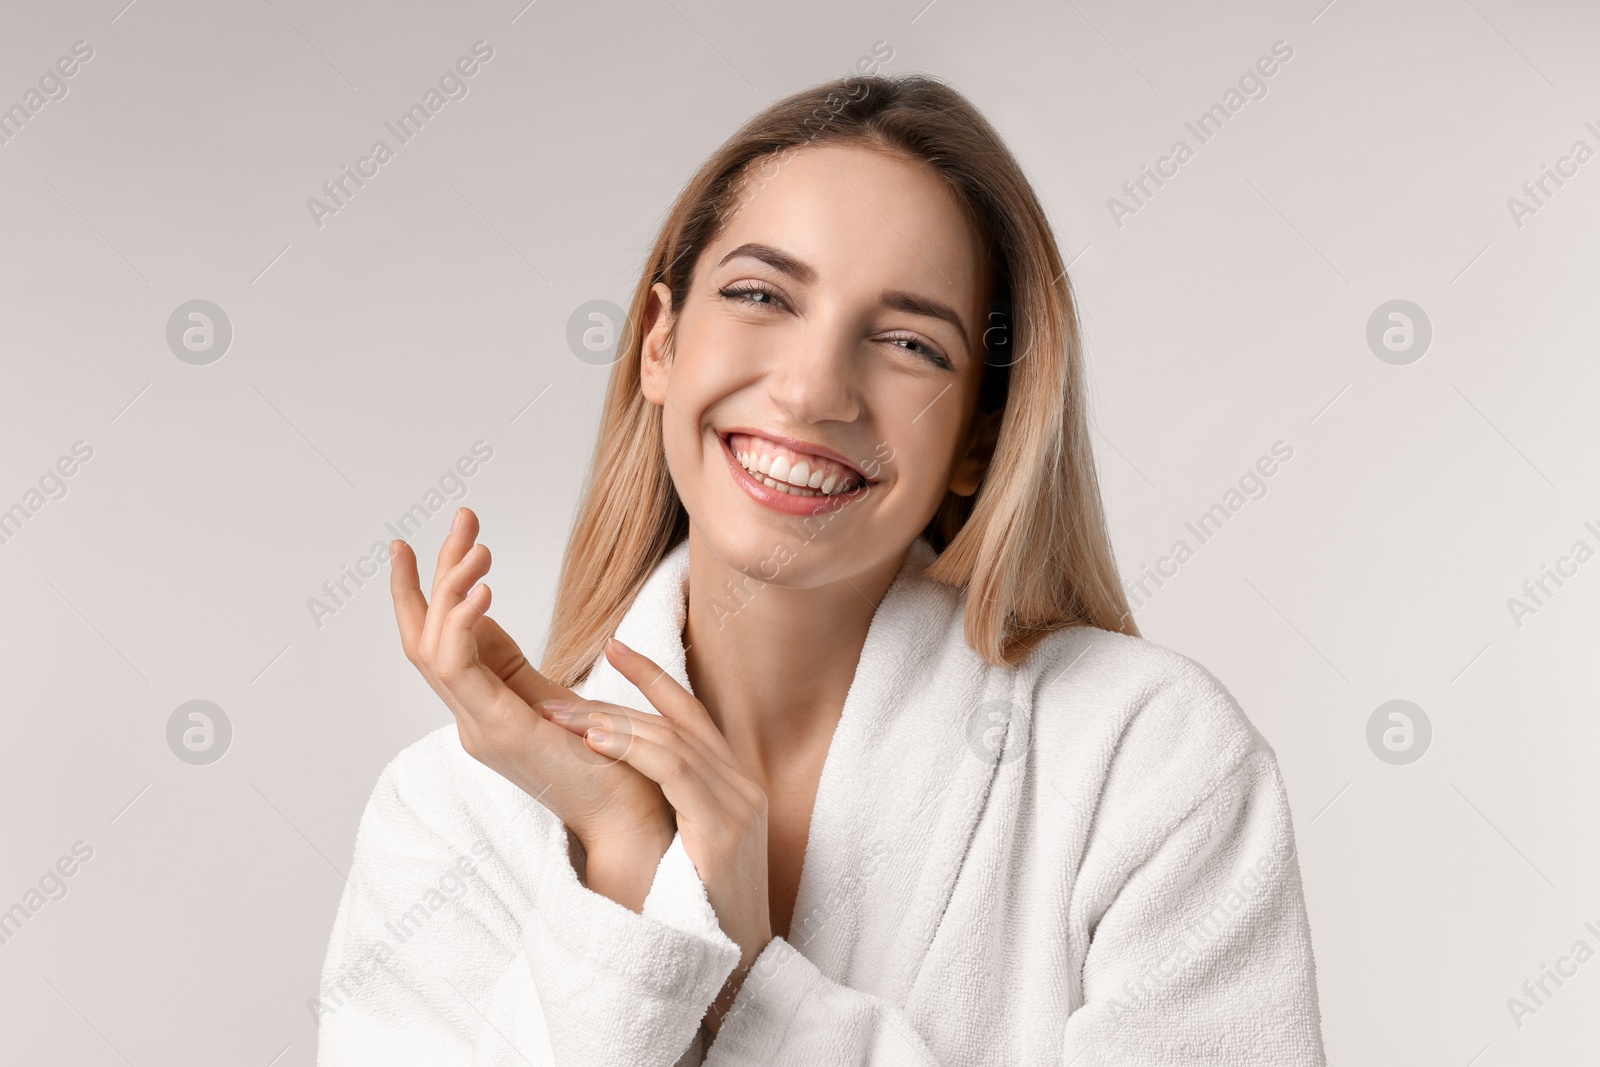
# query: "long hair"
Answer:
x=1030 y=548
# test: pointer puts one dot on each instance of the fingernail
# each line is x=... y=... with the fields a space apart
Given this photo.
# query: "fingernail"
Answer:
x=598 y=736
x=555 y=705
x=455 y=523
x=620 y=646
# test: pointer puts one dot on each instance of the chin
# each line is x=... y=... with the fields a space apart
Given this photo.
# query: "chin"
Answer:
x=780 y=555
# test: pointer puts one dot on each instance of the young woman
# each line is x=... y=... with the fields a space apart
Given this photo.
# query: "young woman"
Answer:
x=844 y=749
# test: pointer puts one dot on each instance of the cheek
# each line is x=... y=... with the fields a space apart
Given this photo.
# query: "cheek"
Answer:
x=696 y=382
x=918 y=457
x=685 y=446
x=703 y=357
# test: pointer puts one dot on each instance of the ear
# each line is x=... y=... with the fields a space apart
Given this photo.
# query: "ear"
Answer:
x=655 y=355
x=974 y=461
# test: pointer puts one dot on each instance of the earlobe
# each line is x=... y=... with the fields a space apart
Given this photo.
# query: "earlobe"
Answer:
x=968 y=476
x=974 y=463
x=655 y=351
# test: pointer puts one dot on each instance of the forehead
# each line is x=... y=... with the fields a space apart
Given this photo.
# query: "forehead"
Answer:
x=860 y=216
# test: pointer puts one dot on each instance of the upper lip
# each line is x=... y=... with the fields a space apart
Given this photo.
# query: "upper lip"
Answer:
x=799 y=446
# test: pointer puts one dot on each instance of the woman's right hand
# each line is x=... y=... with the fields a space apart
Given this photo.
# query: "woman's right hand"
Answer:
x=489 y=685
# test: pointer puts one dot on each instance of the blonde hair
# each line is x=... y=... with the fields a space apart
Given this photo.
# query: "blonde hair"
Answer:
x=1030 y=547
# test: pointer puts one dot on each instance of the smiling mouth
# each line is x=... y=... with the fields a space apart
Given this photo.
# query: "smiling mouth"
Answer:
x=790 y=470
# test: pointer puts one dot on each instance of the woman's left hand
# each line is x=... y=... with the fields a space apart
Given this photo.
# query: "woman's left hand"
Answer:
x=721 y=813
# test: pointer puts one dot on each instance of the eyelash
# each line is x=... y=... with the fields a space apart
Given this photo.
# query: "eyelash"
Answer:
x=742 y=294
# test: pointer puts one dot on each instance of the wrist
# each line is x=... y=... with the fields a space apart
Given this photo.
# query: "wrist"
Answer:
x=623 y=867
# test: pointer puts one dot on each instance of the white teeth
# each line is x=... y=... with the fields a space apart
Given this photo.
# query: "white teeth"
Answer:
x=798 y=479
x=785 y=487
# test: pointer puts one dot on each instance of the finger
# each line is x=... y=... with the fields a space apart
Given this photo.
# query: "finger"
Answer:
x=501 y=654
x=463 y=532
x=410 y=606
x=520 y=675
x=450 y=589
x=668 y=696
x=411 y=612
x=481 y=693
x=483 y=700
x=681 y=781
x=456 y=660
x=626 y=724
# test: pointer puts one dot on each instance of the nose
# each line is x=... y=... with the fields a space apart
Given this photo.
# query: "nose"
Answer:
x=814 y=379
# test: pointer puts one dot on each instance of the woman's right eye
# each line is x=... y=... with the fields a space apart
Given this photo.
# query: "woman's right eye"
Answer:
x=752 y=294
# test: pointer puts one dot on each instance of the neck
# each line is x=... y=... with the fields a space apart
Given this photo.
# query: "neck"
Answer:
x=773 y=664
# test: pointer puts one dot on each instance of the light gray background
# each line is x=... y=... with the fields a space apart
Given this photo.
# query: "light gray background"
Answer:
x=368 y=355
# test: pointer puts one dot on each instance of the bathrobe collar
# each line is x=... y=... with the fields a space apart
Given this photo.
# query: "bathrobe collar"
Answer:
x=903 y=783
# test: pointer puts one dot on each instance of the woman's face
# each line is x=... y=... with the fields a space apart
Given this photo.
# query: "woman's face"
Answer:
x=831 y=338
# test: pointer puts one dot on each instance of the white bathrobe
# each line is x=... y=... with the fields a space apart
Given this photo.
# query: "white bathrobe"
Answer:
x=1087 y=859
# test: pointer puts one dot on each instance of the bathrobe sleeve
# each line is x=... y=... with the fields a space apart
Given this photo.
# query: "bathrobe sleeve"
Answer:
x=789 y=1013
x=623 y=988
x=459 y=879
x=1199 y=950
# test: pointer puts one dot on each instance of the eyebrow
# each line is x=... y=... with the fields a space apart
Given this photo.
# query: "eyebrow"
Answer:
x=913 y=304
x=777 y=259
x=802 y=272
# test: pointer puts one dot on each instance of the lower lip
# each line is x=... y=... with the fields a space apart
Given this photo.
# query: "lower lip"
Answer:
x=788 y=503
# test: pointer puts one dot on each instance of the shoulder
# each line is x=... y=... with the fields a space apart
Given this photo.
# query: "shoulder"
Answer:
x=1147 y=717
x=433 y=791
x=417 y=773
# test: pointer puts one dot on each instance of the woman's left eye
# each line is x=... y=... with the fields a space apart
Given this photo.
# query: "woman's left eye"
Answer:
x=921 y=348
